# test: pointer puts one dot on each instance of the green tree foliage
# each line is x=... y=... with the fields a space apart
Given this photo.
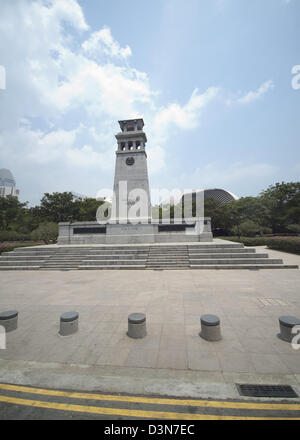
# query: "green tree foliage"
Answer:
x=272 y=211
x=59 y=207
x=248 y=228
x=11 y=212
x=88 y=208
x=47 y=232
x=17 y=221
x=282 y=202
x=276 y=210
x=294 y=228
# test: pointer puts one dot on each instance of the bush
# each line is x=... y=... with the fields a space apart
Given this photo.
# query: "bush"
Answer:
x=247 y=228
x=13 y=236
x=285 y=245
x=47 y=232
x=248 y=241
x=294 y=228
x=9 y=236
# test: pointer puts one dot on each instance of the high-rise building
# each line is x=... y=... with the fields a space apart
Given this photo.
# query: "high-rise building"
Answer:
x=7 y=184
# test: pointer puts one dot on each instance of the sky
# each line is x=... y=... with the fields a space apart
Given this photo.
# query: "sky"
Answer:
x=214 y=80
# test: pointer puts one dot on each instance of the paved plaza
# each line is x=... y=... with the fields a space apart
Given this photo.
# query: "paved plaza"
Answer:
x=247 y=302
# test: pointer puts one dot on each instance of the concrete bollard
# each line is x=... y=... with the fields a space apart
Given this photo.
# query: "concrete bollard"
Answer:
x=137 y=326
x=210 y=328
x=68 y=323
x=9 y=320
x=286 y=324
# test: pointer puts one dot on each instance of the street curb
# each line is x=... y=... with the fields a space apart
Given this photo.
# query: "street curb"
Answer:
x=140 y=381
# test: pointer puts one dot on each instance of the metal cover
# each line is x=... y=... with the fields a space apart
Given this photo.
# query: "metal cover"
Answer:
x=136 y=318
x=210 y=320
x=8 y=315
x=289 y=321
x=69 y=316
x=266 y=390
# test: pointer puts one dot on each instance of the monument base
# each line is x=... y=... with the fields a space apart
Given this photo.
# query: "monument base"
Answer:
x=196 y=230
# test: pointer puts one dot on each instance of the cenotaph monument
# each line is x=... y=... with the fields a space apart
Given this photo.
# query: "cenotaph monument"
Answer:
x=130 y=219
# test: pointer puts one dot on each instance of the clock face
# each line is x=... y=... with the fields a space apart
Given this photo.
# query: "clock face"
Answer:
x=129 y=161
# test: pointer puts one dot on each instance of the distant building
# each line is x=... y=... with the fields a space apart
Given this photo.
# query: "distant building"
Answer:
x=219 y=195
x=7 y=184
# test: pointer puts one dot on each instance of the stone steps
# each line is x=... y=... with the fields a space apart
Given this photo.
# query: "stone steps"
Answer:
x=115 y=267
x=151 y=257
x=223 y=251
x=226 y=256
x=245 y=266
x=168 y=257
x=112 y=262
x=20 y=267
x=237 y=261
x=21 y=258
x=115 y=257
x=59 y=267
x=118 y=252
x=20 y=263
x=216 y=246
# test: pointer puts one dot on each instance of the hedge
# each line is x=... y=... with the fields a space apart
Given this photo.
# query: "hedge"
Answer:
x=248 y=241
x=286 y=244
x=14 y=236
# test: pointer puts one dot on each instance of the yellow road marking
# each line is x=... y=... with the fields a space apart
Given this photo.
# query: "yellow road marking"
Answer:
x=155 y=401
x=128 y=412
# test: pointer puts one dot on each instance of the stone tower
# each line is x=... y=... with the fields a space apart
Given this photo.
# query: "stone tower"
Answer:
x=131 y=184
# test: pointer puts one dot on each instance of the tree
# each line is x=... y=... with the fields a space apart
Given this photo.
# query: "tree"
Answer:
x=248 y=228
x=47 y=232
x=88 y=208
x=294 y=228
x=11 y=213
x=59 y=207
x=210 y=207
x=283 y=203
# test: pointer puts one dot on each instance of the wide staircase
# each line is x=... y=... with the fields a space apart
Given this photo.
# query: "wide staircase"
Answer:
x=227 y=255
x=168 y=257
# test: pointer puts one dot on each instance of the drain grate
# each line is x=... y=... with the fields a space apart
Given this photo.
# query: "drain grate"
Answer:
x=266 y=390
x=271 y=302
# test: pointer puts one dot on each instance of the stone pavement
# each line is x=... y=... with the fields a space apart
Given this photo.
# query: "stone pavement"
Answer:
x=247 y=302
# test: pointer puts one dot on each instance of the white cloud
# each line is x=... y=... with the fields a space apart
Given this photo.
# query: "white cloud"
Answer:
x=54 y=83
x=213 y=175
x=252 y=96
x=51 y=85
x=68 y=10
x=102 y=42
x=64 y=96
x=184 y=117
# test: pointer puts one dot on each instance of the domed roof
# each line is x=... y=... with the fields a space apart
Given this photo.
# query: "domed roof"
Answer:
x=219 y=195
x=6 y=178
